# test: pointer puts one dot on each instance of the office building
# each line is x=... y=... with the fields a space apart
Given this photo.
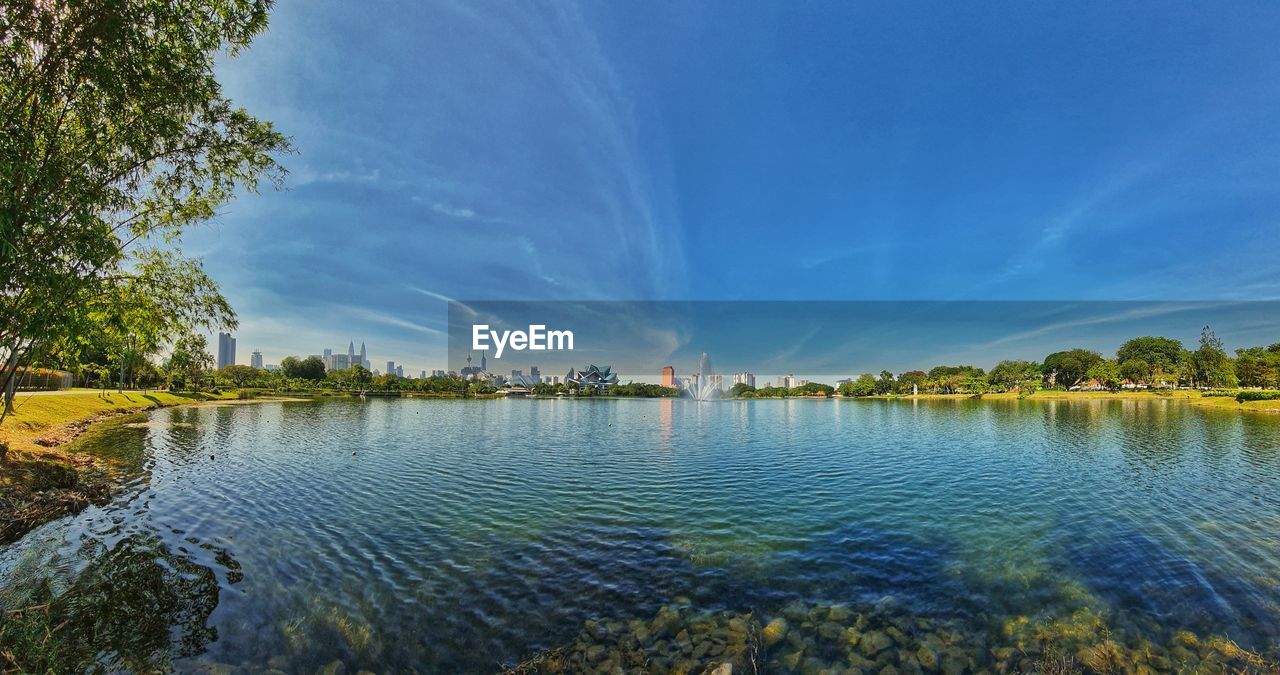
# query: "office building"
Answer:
x=668 y=376
x=226 y=350
x=255 y=359
x=391 y=367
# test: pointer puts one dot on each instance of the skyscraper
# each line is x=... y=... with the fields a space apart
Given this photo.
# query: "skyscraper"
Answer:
x=364 y=359
x=391 y=367
x=668 y=376
x=255 y=359
x=399 y=371
x=351 y=353
x=226 y=350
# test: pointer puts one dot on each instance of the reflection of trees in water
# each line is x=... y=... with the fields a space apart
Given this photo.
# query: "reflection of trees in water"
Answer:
x=134 y=607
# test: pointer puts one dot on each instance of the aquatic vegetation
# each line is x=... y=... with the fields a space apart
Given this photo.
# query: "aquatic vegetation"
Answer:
x=136 y=606
x=878 y=639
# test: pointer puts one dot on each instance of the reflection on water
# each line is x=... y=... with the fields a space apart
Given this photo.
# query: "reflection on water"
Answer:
x=792 y=535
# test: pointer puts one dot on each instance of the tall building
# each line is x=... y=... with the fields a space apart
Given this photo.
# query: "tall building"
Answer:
x=255 y=359
x=744 y=378
x=327 y=354
x=226 y=350
x=484 y=362
x=422 y=375
x=533 y=372
x=668 y=376
x=364 y=359
x=399 y=371
x=351 y=354
x=391 y=367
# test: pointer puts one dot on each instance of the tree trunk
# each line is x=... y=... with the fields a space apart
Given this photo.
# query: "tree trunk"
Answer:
x=11 y=383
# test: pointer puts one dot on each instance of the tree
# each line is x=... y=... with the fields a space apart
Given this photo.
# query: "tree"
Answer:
x=115 y=138
x=1067 y=369
x=1010 y=375
x=886 y=383
x=310 y=368
x=1164 y=357
x=359 y=375
x=1135 y=370
x=740 y=389
x=1258 y=367
x=865 y=385
x=190 y=357
x=239 y=375
x=910 y=381
x=1210 y=364
x=1106 y=373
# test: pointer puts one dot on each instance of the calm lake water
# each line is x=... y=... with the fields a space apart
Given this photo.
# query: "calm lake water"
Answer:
x=456 y=536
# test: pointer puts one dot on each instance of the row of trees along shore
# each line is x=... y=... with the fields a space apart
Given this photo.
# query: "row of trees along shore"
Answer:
x=1143 y=362
x=115 y=138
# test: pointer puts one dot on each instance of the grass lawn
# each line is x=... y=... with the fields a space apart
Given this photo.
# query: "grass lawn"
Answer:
x=37 y=417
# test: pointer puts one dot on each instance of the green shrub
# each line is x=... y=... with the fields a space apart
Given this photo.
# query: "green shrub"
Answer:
x=1258 y=395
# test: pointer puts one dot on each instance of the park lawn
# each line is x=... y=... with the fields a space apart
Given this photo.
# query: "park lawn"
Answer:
x=47 y=417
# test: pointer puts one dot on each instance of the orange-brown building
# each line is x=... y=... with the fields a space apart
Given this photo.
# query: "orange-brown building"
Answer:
x=668 y=376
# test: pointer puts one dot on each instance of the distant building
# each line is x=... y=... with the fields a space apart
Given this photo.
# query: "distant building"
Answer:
x=255 y=359
x=668 y=376
x=422 y=375
x=399 y=371
x=437 y=373
x=533 y=372
x=273 y=367
x=226 y=350
x=391 y=367
x=516 y=373
x=744 y=378
x=593 y=376
x=327 y=354
x=787 y=381
x=555 y=379
x=338 y=362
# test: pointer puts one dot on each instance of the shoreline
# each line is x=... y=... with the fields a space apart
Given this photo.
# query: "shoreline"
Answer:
x=42 y=478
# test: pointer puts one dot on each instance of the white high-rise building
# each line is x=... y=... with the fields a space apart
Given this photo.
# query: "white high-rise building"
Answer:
x=255 y=359
x=744 y=378
x=226 y=350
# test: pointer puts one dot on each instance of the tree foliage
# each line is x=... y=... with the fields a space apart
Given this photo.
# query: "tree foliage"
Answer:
x=1066 y=369
x=117 y=137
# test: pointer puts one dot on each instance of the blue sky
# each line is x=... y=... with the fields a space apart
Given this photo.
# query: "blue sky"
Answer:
x=502 y=150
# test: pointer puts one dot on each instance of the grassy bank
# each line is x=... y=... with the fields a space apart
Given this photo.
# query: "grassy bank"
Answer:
x=40 y=477
x=41 y=422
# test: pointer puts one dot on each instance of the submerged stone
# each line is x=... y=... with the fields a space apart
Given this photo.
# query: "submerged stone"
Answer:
x=874 y=642
x=774 y=631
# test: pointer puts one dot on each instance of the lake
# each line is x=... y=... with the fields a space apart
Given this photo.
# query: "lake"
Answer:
x=462 y=536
